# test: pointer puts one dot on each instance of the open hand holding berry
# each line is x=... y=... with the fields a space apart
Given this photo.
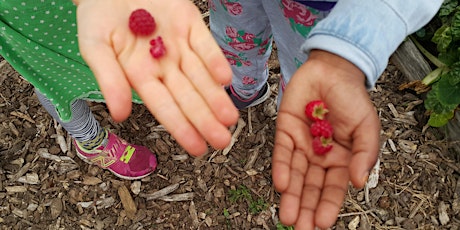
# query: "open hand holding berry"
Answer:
x=155 y=52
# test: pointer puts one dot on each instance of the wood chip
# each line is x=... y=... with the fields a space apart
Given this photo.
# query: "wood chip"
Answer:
x=393 y=110
x=29 y=178
x=43 y=152
x=353 y=225
x=207 y=220
x=202 y=184
x=252 y=172
x=18 y=212
x=219 y=159
x=193 y=214
x=443 y=216
x=13 y=129
x=127 y=202
x=136 y=187
x=178 y=197
x=23 y=116
x=407 y=146
x=104 y=203
x=15 y=189
x=60 y=138
x=241 y=124
x=392 y=145
x=183 y=157
x=56 y=208
x=90 y=180
x=163 y=192
x=21 y=172
x=373 y=180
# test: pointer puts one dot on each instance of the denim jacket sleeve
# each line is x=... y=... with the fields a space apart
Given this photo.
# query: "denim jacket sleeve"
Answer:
x=367 y=32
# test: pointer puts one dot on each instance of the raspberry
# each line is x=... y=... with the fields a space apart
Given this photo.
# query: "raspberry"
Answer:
x=141 y=22
x=157 y=48
x=321 y=145
x=316 y=110
x=321 y=128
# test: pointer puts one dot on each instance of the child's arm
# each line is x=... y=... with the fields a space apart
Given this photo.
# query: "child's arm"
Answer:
x=348 y=51
x=182 y=89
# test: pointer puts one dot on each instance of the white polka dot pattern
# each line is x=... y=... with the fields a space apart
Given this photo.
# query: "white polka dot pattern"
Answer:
x=39 y=39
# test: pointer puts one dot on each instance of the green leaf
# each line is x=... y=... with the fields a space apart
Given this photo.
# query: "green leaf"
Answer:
x=448 y=93
x=439 y=120
x=454 y=74
x=456 y=26
x=447 y=8
x=434 y=102
x=451 y=56
x=442 y=37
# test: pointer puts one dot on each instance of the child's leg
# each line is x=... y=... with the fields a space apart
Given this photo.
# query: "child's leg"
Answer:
x=242 y=30
x=83 y=126
x=291 y=23
x=97 y=146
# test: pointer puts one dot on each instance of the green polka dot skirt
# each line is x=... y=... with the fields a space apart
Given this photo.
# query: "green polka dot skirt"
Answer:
x=39 y=39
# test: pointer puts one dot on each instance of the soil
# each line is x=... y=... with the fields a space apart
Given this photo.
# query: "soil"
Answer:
x=43 y=185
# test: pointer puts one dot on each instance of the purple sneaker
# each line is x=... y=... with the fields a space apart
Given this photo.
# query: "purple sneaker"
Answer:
x=126 y=161
x=258 y=98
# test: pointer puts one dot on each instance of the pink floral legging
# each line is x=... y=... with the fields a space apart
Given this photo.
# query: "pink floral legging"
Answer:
x=245 y=30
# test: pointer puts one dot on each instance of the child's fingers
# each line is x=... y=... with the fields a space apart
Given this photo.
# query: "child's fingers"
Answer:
x=365 y=149
x=311 y=195
x=291 y=197
x=332 y=196
x=281 y=160
x=162 y=105
x=110 y=77
x=204 y=45
x=194 y=107
x=211 y=91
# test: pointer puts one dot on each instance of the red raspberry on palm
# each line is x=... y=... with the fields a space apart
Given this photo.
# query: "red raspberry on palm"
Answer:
x=321 y=145
x=321 y=128
x=141 y=22
x=157 y=47
x=316 y=110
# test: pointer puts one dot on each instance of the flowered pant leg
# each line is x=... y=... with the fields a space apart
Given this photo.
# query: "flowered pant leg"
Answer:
x=245 y=29
x=242 y=30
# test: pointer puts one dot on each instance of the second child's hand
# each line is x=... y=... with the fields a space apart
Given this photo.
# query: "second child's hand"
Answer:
x=313 y=187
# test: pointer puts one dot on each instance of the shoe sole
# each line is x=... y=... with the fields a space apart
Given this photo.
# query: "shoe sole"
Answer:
x=261 y=99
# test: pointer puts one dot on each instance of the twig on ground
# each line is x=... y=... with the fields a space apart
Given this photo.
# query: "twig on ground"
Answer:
x=236 y=134
x=355 y=213
x=250 y=120
x=160 y=193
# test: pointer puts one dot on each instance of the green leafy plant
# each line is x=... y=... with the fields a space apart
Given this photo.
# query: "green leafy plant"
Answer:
x=444 y=97
x=280 y=226
x=227 y=215
x=257 y=206
x=243 y=193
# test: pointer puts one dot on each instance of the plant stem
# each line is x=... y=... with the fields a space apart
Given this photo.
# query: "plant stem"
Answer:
x=427 y=54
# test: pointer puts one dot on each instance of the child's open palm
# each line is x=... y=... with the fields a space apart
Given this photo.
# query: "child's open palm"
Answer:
x=313 y=187
x=183 y=89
